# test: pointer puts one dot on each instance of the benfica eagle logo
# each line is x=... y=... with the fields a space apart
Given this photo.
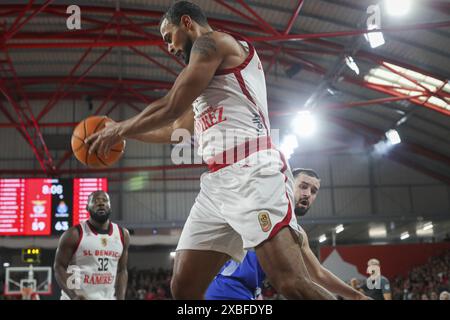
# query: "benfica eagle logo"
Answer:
x=264 y=221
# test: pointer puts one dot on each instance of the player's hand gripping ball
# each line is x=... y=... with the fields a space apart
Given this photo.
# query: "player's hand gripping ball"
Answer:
x=87 y=128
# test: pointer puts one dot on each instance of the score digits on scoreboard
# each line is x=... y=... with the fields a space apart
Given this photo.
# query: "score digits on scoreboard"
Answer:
x=41 y=207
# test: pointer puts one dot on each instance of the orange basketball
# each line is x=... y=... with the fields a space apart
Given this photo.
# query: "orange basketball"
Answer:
x=83 y=130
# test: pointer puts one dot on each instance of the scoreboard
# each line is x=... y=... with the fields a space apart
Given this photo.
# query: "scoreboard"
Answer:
x=41 y=207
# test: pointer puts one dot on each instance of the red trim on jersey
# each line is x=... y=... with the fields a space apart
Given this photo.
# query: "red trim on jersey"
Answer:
x=121 y=236
x=283 y=223
x=80 y=231
x=235 y=154
x=287 y=219
x=110 y=229
x=244 y=64
x=283 y=159
x=241 y=81
x=91 y=227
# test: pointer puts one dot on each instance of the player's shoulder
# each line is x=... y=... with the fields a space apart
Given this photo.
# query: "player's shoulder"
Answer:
x=225 y=40
x=75 y=230
x=222 y=36
x=71 y=236
x=124 y=231
x=216 y=41
x=121 y=228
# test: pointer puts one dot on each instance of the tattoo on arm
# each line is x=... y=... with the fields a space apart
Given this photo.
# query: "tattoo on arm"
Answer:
x=205 y=45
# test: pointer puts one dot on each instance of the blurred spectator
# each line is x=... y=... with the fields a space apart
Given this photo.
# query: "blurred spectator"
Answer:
x=148 y=284
x=444 y=295
x=429 y=279
x=430 y=282
x=380 y=288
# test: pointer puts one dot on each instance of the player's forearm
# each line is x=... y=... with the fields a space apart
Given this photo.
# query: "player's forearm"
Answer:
x=158 y=115
x=61 y=277
x=337 y=286
x=155 y=116
x=317 y=292
x=162 y=135
x=121 y=287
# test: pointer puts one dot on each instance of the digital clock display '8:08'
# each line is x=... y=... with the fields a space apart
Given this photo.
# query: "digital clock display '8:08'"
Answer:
x=55 y=189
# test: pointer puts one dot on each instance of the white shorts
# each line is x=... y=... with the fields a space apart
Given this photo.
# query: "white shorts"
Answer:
x=240 y=206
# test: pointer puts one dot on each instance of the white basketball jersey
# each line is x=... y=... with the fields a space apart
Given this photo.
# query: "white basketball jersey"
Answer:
x=95 y=261
x=233 y=108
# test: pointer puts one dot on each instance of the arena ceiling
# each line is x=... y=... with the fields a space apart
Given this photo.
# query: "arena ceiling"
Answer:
x=118 y=60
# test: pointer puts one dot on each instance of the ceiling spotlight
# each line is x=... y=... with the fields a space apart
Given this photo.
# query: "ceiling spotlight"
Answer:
x=402 y=120
x=322 y=238
x=404 y=235
x=305 y=124
x=339 y=228
x=352 y=64
x=331 y=91
x=172 y=254
x=377 y=232
x=289 y=145
x=427 y=226
x=398 y=7
x=426 y=230
x=393 y=137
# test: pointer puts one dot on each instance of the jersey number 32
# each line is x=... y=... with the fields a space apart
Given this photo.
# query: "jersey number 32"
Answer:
x=103 y=264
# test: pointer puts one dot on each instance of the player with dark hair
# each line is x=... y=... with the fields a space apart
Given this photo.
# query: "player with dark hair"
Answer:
x=91 y=259
x=243 y=281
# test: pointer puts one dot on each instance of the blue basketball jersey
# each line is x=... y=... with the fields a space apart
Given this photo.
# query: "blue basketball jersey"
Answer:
x=237 y=281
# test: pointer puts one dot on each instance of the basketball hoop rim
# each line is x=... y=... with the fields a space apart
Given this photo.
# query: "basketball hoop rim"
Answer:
x=27 y=292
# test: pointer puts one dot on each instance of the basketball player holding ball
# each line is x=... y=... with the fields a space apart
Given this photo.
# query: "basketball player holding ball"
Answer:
x=91 y=259
x=244 y=202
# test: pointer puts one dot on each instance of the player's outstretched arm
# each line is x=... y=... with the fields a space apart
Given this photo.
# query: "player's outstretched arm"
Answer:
x=66 y=248
x=283 y=263
x=325 y=277
x=122 y=271
x=164 y=135
x=206 y=57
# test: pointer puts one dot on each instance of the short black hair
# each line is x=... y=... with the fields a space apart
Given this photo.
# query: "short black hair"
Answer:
x=92 y=194
x=308 y=172
x=181 y=8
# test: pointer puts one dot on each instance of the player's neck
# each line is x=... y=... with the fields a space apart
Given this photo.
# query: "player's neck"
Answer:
x=100 y=226
x=203 y=30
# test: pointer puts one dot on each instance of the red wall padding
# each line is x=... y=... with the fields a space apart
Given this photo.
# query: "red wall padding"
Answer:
x=394 y=259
